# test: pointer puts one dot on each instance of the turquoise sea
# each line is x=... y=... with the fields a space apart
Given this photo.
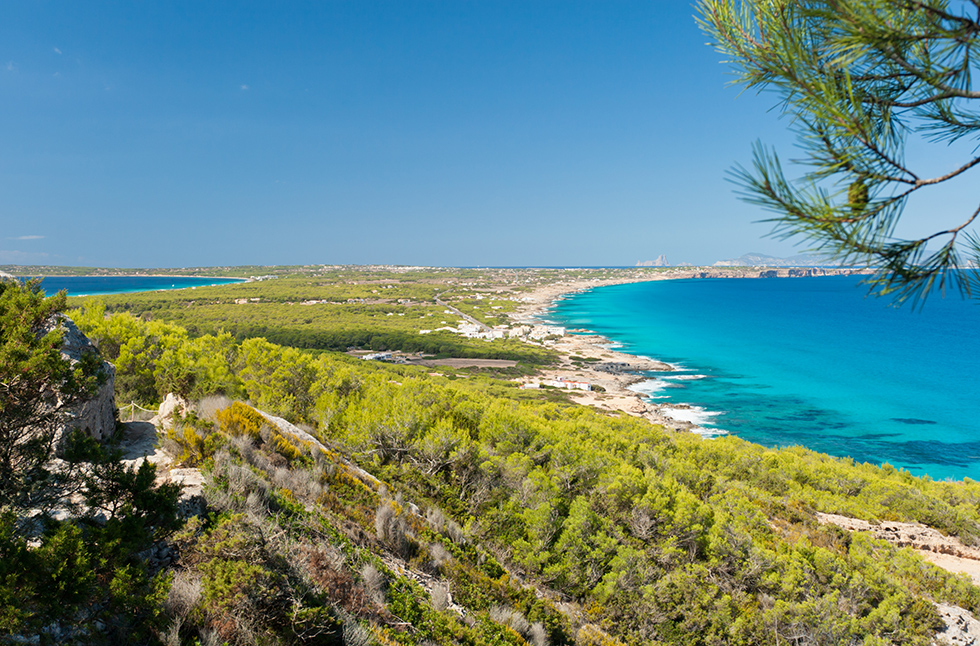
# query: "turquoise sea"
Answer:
x=95 y=285
x=806 y=361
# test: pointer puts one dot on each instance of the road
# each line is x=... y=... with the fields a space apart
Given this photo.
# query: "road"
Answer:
x=469 y=318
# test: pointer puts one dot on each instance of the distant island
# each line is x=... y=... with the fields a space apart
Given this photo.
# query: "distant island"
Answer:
x=762 y=260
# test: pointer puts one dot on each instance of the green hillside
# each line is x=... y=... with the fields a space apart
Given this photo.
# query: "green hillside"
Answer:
x=445 y=508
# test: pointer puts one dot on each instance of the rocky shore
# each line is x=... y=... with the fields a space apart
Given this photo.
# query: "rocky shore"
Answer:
x=592 y=358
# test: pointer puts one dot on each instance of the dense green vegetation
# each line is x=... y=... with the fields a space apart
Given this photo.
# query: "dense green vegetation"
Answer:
x=638 y=535
x=411 y=507
x=339 y=309
x=382 y=308
x=73 y=533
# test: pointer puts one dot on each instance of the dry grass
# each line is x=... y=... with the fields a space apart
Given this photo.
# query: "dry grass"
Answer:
x=439 y=556
x=330 y=574
x=534 y=633
x=183 y=595
x=375 y=583
x=208 y=407
x=393 y=530
x=440 y=595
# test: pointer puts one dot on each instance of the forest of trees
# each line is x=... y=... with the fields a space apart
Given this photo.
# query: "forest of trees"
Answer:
x=74 y=522
x=364 y=310
x=491 y=516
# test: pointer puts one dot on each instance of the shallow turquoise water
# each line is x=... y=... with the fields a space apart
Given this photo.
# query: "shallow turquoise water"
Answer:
x=95 y=285
x=808 y=361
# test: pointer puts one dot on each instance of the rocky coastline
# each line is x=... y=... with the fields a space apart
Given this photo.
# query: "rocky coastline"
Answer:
x=587 y=356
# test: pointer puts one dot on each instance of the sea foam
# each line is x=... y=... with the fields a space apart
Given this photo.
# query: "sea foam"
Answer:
x=807 y=361
x=649 y=388
x=695 y=414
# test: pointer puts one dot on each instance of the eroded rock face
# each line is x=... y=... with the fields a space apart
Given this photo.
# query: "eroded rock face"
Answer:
x=95 y=416
x=192 y=501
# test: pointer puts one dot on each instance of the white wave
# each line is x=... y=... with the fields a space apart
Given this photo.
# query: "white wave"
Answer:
x=683 y=377
x=695 y=414
x=649 y=388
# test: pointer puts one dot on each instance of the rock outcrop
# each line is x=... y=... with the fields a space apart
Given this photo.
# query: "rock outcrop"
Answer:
x=192 y=501
x=962 y=628
x=140 y=443
x=95 y=415
x=914 y=535
x=170 y=406
x=661 y=261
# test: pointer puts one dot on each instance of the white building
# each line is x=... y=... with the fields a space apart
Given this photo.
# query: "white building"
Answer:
x=542 y=331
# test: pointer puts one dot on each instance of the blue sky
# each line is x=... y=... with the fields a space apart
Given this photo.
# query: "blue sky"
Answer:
x=438 y=133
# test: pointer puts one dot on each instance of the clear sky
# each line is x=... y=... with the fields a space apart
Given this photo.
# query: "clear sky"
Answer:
x=169 y=134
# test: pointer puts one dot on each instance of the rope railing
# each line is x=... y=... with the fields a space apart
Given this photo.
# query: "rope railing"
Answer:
x=133 y=406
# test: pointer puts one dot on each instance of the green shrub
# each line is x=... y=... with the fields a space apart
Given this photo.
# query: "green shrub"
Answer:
x=241 y=419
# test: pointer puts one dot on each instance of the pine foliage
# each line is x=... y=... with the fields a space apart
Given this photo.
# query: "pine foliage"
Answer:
x=861 y=80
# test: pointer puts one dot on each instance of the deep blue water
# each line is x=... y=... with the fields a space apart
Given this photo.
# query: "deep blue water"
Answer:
x=95 y=285
x=807 y=361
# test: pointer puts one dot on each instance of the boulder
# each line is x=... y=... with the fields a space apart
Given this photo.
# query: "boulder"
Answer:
x=95 y=415
x=168 y=407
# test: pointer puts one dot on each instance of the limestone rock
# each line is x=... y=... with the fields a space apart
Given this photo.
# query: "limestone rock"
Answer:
x=139 y=443
x=962 y=628
x=96 y=416
x=802 y=273
x=914 y=535
x=191 y=481
x=661 y=261
x=165 y=414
